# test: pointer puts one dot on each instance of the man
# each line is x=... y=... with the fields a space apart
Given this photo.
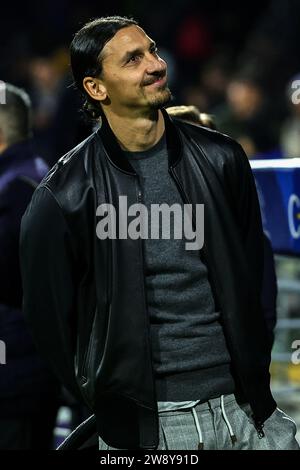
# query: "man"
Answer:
x=159 y=340
x=27 y=386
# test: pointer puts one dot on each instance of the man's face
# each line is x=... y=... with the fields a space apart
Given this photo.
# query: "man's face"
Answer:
x=133 y=74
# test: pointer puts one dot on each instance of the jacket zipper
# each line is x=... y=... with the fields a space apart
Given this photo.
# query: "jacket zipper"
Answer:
x=259 y=428
x=182 y=193
x=86 y=360
x=83 y=375
x=87 y=356
x=139 y=200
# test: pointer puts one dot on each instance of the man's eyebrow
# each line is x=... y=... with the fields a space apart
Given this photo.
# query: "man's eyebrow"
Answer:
x=136 y=51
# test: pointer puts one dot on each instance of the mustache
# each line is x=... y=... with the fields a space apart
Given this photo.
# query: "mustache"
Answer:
x=154 y=77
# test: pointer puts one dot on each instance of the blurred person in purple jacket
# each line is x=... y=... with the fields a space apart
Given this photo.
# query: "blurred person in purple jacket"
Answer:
x=28 y=390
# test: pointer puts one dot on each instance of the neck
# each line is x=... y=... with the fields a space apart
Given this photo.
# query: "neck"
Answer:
x=137 y=133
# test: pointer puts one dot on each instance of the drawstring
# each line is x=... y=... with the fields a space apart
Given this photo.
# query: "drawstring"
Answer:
x=232 y=435
x=200 y=445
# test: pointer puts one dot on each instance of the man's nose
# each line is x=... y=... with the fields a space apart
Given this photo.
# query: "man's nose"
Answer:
x=155 y=64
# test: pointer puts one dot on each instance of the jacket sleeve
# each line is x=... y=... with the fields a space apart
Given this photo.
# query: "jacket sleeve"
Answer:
x=248 y=216
x=258 y=251
x=47 y=267
x=269 y=291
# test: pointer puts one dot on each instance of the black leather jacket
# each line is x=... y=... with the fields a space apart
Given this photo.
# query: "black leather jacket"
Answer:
x=85 y=297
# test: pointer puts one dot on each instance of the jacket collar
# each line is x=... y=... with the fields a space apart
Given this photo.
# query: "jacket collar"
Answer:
x=115 y=153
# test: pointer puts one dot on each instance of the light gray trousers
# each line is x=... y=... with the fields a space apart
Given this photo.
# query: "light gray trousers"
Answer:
x=222 y=424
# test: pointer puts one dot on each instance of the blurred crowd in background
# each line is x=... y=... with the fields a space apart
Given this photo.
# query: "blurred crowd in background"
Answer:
x=236 y=61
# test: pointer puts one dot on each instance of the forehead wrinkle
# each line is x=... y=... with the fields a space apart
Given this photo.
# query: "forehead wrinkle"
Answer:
x=128 y=44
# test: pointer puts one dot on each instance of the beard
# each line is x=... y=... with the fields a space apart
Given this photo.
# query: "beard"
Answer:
x=160 y=99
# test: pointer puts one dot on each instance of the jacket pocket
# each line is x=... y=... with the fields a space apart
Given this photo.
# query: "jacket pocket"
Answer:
x=86 y=372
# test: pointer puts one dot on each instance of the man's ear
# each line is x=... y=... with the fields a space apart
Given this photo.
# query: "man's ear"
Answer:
x=95 y=88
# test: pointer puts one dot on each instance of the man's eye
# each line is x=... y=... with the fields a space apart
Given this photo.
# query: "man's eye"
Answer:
x=134 y=58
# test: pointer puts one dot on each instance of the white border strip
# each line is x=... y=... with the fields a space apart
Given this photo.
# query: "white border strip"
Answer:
x=278 y=163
